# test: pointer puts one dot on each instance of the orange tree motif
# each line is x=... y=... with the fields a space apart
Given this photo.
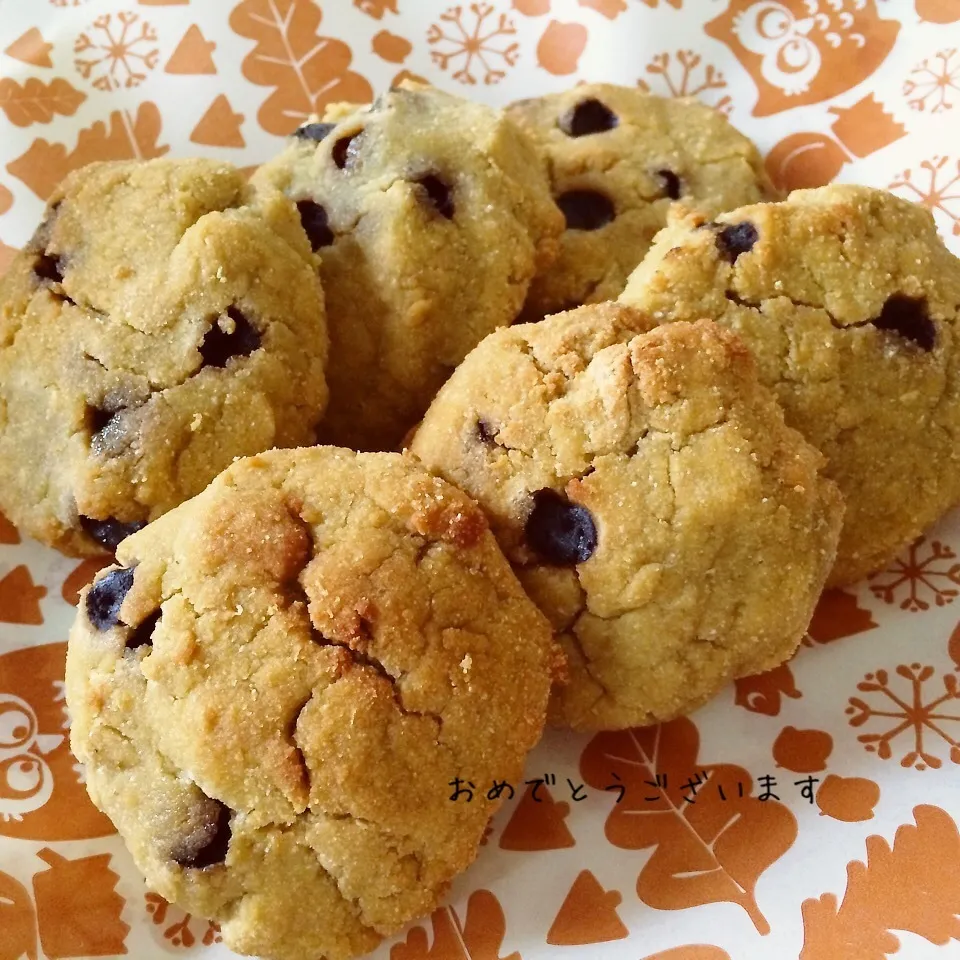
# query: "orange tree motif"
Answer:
x=919 y=572
x=908 y=714
x=934 y=80
x=682 y=77
x=474 y=43
x=936 y=186
x=116 y=55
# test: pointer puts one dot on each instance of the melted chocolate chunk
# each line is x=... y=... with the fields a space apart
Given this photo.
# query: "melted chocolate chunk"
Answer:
x=207 y=845
x=561 y=532
x=345 y=150
x=109 y=532
x=142 y=634
x=100 y=419
x=47 y=267
x=105 y=597
x=313 y=217
x=586 y=209
x=313 y=131
x=672 y=185
x=908 y=317
x=486 y=431
x=588 y=116
x=218 y=346
x=438 y=193
x=735 y=239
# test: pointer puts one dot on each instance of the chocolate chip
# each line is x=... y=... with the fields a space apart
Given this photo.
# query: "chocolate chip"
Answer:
x=219 y=346
x=486 y=431
x=47 y=267
x=345 y=150
x=735 y=239
x=142 y=634
x=110 y=532
x=105 y=597
x=438 y=194
x=588 y=116
x=99 y=419
x=561 y=532
x=671 y=184
x=586 y=209
x=207 y=845
x=313 y=131
x=908 y=317
x=313 y=217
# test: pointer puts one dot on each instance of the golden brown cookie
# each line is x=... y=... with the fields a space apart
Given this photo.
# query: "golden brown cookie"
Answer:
x=275 y=689
x=851 y=304
x=431 y=215
x=164 y=319
x=618 y=157
x=653 y=503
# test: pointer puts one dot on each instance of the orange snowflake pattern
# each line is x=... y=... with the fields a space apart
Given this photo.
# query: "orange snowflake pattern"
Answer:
x=939 y=190
x=680 y=75
x=936 y=80
x=909 y=714
x=474 y=43
x=117 y=56
x=921 y=572
x=179 y=933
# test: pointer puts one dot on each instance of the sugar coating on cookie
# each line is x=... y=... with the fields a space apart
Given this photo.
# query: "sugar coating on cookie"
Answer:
x=850 y=302
x=276 y=688
x=650 y=497
x=618 y=157
x=164 y=319
x=431 y=215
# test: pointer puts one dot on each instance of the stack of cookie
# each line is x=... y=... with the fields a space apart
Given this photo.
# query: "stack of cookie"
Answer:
x=604 y=513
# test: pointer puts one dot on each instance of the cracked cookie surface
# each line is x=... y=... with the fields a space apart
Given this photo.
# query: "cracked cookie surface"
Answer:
x=275 y=687
x=431 y=215
x=164 y=319
x=617 y=159
x=650 y=497
x=850 y=303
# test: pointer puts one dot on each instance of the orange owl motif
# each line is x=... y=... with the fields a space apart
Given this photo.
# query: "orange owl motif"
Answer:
x=804 y=51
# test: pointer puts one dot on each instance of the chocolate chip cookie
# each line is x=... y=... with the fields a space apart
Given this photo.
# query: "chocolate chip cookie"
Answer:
x=164 y=319
x=650 y=497
x=618 y=158
x=430 y=214
x=851 y=304
x=277 y=687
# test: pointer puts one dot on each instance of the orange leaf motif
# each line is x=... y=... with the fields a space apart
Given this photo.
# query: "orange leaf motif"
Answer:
x=588 y=914
x=16 y=921
x=711 y=850
x=31 y=48
x=45 y=164
x=850 y=799
x=307 y=71
x=78 y=909
x=480 y=938
x=8 y=532
x=20 y=598
x=802 y=751
x=761 y=693
x=537 y=824
x=38 y=102
x=838 y=615
x=892 y=891
x=559 y=49
x=390 y=47
x=376 y=8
